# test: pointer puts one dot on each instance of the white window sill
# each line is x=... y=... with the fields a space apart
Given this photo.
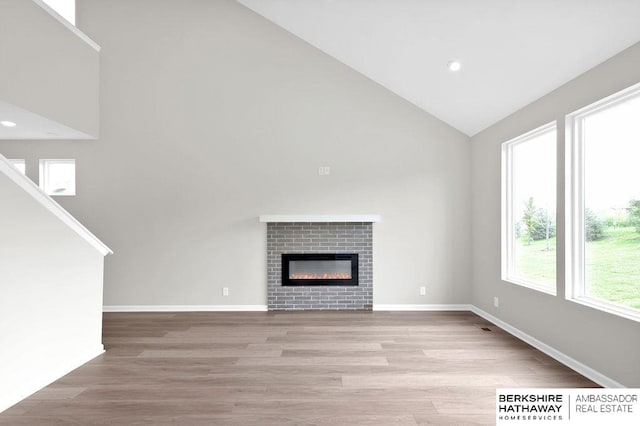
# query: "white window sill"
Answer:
x=610 y=308
x=531 y=285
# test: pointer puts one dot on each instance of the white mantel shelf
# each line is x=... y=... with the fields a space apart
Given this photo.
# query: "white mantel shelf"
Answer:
x=321 y=218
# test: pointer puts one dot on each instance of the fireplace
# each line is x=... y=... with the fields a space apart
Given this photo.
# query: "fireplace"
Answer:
x=303 y=235
x=319 y=269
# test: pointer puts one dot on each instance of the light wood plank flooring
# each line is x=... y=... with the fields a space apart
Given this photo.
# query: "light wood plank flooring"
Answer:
x=296 y=368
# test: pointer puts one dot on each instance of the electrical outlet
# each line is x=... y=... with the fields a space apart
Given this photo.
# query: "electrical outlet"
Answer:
x=324 y=170
x=496 y=302
x=423 y=291
x=225 y=291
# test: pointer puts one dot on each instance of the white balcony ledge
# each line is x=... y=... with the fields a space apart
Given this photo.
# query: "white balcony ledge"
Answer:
x=68 y=24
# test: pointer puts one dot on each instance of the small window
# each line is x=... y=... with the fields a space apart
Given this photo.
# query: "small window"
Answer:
x=603 y=204
x=58 y=177
x=529 y=209
x=19 y=164
x=64 y=8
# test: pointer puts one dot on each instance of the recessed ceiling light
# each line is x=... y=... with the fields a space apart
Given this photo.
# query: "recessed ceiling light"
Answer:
x=8 y=123
x=454 y=66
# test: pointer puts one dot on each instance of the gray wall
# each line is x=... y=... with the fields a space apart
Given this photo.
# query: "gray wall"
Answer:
x=211 y=116
x=50 y=296
x=605 y=342
x=47 y=69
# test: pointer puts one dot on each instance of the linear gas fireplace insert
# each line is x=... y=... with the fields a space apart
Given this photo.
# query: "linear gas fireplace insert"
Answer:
x=319 y=269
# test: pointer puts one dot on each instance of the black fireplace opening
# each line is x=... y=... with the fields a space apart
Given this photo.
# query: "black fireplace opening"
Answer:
x=322 y=269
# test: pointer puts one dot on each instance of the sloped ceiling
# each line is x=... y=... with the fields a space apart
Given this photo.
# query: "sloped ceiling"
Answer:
x=512 y=51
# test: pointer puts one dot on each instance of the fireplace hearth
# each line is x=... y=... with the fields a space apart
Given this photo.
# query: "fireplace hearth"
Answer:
x=319 y=269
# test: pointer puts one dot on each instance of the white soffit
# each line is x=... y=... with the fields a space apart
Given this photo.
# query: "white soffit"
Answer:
x=34 y=126
x=512 y=52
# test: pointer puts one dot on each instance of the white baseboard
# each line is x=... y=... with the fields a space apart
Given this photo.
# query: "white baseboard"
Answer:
x=577 y=366
x=262 y=308
x=379 y=307
x=185 y=308
x=33 y=386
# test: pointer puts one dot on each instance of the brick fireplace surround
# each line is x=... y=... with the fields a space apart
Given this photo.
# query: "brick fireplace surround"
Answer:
x=319 y=237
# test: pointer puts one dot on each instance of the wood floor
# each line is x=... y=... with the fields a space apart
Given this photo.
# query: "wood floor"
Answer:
x=299 y=368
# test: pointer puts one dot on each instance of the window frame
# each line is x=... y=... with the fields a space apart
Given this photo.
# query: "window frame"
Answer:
x=575 y=284
x=507 y=262
x=42 y=181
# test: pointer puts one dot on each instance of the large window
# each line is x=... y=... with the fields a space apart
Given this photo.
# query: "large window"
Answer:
x=603 y=204
x=529 y=209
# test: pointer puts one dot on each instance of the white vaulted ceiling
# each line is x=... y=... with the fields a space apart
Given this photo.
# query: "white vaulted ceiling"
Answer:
x=512 y=51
